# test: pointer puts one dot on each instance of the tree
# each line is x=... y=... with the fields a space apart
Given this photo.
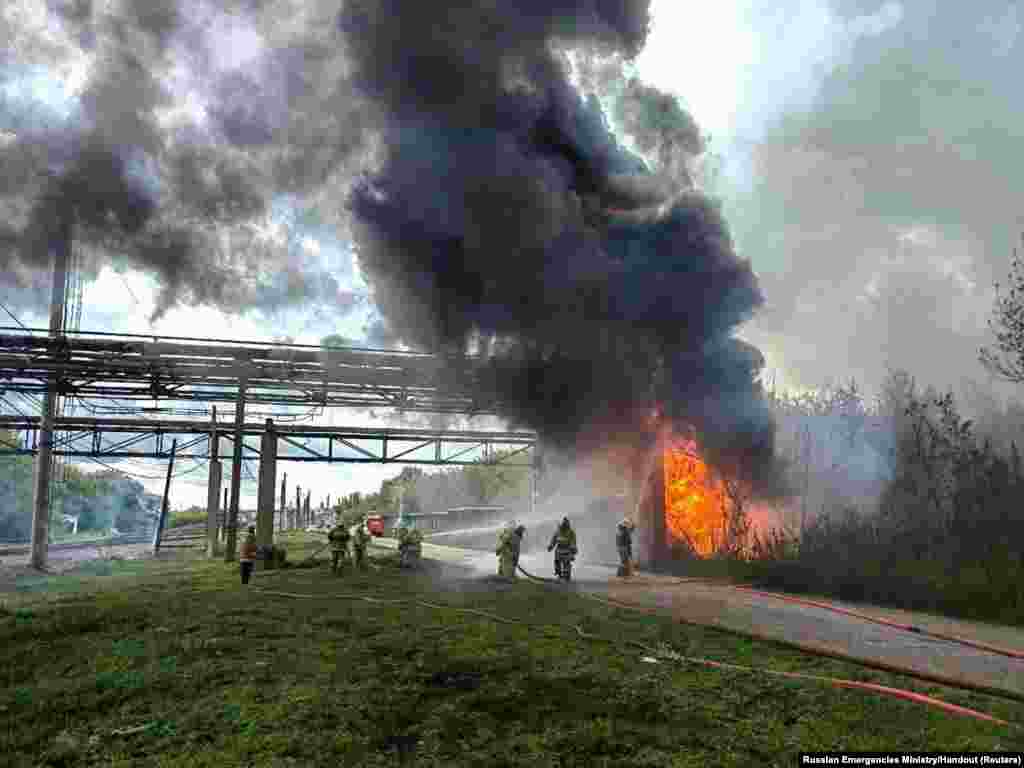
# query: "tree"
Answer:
x=1006 y=358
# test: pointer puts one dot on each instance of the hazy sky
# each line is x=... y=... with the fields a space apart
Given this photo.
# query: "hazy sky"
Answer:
x=867 y=155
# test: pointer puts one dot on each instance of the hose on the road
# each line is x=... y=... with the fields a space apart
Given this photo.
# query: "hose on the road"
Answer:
x=842 y=683
x=885 y=622
x=672 y=656
x=913 y=628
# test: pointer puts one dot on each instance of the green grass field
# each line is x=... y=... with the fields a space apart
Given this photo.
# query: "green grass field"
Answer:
x=174 y=663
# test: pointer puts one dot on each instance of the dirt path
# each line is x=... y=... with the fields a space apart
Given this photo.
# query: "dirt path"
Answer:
x=721 y=605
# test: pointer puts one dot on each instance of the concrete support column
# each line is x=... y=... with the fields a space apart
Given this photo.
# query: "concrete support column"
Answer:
x=231 y=522
x=267 y=487
x=284 y=502
x=213 y=490
x=222 y=515
x=298 y=506
x=59 y=244
x=649 y=487
x=213 y=508
x=309 y=512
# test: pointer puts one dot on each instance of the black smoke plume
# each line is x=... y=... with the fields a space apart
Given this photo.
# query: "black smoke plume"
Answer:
x=181 y=200
x=492 y=223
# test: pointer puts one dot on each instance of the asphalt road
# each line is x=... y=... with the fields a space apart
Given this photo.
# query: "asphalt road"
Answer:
x=719 y=604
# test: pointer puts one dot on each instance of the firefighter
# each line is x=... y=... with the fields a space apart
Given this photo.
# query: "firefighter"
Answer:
x=359 y=544
x=517 y=544
x=564 y=543
x=509 y=543
x=624 y=542
x=339 y=538
x=247 y=555
x=410 y=549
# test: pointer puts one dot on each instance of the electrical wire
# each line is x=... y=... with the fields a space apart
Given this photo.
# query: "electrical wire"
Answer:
x=13 y=317
x=146 y=477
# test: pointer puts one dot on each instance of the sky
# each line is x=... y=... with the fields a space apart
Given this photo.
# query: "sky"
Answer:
x=866 y=155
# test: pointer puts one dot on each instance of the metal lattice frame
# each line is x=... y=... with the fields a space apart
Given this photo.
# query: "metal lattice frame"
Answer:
x=99 y=365
x=146 y=439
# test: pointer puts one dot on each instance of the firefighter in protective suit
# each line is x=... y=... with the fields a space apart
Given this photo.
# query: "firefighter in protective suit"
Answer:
x=339 y=538
x=359 y=544
x=510 y=542
x=410 y=547
x=564 y=544
x=624 y=542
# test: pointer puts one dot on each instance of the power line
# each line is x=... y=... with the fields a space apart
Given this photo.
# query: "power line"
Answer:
x=145 y=477
x=12 y=316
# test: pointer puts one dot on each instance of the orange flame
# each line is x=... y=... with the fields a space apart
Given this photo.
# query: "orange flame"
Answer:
x=695 y=501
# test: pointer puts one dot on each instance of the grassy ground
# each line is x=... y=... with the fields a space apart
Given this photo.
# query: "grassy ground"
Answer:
x=173 y=663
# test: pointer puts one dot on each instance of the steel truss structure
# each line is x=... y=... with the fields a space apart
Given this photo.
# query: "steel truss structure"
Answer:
x=133 y=367
x=151 y=439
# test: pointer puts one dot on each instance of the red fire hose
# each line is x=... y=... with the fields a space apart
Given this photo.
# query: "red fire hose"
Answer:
x=885 y=622
x=899 y=693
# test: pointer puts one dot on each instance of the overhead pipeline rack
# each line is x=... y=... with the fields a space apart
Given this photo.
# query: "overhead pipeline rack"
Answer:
x=137 y=367
x=151 y=439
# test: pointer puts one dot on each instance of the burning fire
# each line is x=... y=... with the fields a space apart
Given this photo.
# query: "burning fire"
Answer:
x=695 y=501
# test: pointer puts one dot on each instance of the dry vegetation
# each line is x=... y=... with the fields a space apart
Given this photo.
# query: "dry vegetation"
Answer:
x=900 y=501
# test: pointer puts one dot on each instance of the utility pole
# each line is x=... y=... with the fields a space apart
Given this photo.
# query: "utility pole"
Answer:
x=236 y=476
x=213 y=490
x=59 y=244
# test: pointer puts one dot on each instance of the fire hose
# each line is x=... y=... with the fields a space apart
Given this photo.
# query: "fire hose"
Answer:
x=837 y=682
x=886 y=622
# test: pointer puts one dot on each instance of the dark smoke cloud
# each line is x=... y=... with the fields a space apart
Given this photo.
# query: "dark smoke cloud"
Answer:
x=487 y=225
x=492 y=206
x=180 y=200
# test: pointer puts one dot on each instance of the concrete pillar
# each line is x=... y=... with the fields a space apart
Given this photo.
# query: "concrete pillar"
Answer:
x=298 y=506
x=236 y=477
x=213 y=508
x=222 y=516
x=59 y=244
x=284 y=501
x=649 y=485
x=267 y=487
x=213 y=490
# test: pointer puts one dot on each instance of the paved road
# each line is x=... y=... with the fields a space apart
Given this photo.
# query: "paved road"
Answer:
x=718 y=604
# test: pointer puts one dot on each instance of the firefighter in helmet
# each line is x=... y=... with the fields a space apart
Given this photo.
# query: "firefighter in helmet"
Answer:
x=564 y=543
x=624 y=542
x=339 y=538
x=410 y=546
x=359 y=543
x=510 y=541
